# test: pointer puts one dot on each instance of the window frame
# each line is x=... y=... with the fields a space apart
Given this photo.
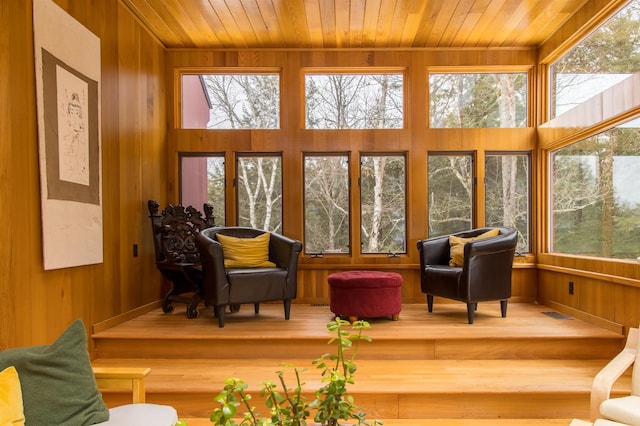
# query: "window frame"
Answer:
x=236 y=185
x=404 y=156
x=182 y=71
x=528 y=70
x=347 y=156
x=528 y=154
x=205 y=155
x=549 y=195
x=473 y=154
x=352 y=71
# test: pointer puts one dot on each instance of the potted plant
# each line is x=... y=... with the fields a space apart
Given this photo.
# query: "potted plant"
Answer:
x=289 y=407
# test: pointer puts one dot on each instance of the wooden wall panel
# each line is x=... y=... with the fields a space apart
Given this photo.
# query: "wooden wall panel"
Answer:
x=36 y=304
x=605 y=291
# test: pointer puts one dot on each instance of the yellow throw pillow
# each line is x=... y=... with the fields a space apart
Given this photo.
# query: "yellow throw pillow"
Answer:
x=11 y=410
x=456 y=246
x=246 y=252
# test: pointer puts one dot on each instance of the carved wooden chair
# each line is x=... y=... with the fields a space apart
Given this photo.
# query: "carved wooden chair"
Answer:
x=177 y=256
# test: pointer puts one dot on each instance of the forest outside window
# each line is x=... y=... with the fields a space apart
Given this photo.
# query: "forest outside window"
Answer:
x=478 y=100
x=450 y=193
x=231 y=101
x=326 y=203
x=259 y=191
x=605 y=57
x=354 y=101
x=202 y=180
x=594 y=198
x=507 y=194
x=383 y=203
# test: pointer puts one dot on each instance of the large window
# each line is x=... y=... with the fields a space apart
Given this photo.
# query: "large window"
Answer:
x=202 y=180
x=594 y=196
x=475 y=100
x=326 y=203
x=231 y=101
x=259 y=189
x=383 y=205
x=450 y=193
x=507 y=194
x=605 y=57
x=354 y=101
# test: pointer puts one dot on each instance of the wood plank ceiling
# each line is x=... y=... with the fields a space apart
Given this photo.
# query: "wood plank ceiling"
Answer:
x=307 y=24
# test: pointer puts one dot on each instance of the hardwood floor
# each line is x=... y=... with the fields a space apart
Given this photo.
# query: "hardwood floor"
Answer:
x=534 y=367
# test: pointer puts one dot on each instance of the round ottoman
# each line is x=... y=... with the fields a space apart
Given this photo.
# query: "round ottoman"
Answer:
x=365 y=294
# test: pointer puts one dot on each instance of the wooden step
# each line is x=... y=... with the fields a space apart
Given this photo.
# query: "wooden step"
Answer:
x=402 y=389
x=534 y=365
x=526 y=333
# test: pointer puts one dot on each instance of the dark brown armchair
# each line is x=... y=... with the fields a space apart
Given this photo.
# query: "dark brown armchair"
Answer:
x=177 y=256
x=485 y=273
x=232 y=287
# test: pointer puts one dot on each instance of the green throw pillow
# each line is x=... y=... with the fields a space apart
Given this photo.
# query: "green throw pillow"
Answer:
x=58 y=385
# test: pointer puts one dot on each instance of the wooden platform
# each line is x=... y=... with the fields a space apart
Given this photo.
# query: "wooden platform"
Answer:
x=533 y=365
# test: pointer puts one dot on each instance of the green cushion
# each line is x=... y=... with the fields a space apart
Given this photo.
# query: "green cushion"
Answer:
x=58 y=385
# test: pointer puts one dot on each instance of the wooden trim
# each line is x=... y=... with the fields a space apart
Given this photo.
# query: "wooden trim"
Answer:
x=589 y=274
x=126 y=316
x=591 y=16
x=584 y=316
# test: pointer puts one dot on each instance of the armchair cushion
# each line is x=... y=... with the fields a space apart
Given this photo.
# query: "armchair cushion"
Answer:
x=246 y=252
x=624 y=409
x=57 y=381
x=142 y=414
x=456 y=246
x=11 y=411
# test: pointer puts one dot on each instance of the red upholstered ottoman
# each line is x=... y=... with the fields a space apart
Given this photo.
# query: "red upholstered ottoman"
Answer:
x=365 y=294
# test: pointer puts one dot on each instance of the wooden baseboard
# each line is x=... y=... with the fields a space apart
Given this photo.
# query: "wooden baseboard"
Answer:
x=126 y=316
x=584 y=316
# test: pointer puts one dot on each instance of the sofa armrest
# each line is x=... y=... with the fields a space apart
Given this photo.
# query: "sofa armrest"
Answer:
x=610 y=373
x=128 y=378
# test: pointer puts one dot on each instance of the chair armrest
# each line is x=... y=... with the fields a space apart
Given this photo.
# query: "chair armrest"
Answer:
x=214 y=274
x=284 y=251
x=604 y=380
x=434 y=251
x=128 y=378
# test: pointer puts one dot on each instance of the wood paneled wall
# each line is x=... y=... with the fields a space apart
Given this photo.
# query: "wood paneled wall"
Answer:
x=606 y=292
x=293 y=141
x=36 y=305
x=140 y=146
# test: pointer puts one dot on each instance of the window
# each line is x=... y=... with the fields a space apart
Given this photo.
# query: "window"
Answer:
x=230 y=101
x=607 y=56
x=326 y=203
x=594 y=196
x=259 y=189
x=507 y=194
x=354 y=101
x=202 y=181
x=450 y=193
x=475 y=100
x=383 y=205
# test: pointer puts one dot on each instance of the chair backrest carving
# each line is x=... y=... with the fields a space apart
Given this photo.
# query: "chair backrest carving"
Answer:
x=174 y=231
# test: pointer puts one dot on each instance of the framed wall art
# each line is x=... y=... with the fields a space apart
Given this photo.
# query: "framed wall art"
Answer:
x=68 y=108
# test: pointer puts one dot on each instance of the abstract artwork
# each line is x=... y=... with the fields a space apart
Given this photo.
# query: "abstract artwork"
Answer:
x=68 y=103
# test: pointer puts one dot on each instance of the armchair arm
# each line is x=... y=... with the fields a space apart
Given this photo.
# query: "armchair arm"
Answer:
x=434 y=251
x=128 y=378
x=284 y=251
x=604 y=380
x=214 y=274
